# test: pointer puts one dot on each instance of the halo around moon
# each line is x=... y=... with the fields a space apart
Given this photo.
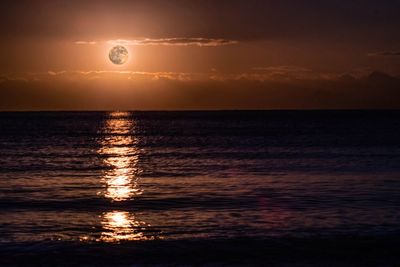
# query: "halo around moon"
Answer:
x=118 y=55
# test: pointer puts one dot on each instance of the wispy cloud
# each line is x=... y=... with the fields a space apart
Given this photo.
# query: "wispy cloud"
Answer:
x=82 y=75
x=279 y=74
x=266 y=74
x=283 y=73
x=165 y=42
x=54 y=73
x=284 y=69
x=385 y=54
x=85 y=43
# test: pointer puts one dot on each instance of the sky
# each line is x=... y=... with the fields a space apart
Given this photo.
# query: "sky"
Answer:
x=200 y=55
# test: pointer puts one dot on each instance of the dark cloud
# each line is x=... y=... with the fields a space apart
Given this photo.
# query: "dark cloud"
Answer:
x=179 y=91
x=385 y=54
x=227 y=19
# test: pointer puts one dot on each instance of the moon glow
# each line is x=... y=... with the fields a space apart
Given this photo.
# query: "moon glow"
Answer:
x=118 y=55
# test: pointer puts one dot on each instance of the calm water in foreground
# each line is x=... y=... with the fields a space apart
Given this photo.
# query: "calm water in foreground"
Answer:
x=111 y=177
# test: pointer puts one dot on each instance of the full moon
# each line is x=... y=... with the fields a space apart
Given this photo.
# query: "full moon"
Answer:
x=118 y=55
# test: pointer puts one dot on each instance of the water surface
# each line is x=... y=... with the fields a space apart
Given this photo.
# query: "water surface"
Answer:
x=110 y=177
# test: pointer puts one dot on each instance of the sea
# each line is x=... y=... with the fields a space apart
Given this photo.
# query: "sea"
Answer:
x=124 y=185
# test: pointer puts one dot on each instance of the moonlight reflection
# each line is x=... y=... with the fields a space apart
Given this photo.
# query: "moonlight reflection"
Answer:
x=121 y=158
x=121 y=225
x=120 y=179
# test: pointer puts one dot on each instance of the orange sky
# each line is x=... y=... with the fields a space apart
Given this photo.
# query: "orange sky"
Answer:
x=199 y=55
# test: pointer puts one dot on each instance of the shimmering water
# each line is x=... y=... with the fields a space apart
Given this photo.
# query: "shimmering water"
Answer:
x=116 y=176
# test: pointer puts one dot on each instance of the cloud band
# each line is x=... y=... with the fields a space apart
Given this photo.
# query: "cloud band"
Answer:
x=166 y=42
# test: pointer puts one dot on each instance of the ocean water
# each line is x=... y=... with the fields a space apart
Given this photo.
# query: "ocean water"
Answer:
x=113 y=177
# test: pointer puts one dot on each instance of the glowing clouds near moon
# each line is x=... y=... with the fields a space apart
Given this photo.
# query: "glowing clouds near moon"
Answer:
x=118 y=55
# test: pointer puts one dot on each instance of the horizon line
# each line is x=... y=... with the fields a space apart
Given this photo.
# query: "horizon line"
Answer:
x=201 y=110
